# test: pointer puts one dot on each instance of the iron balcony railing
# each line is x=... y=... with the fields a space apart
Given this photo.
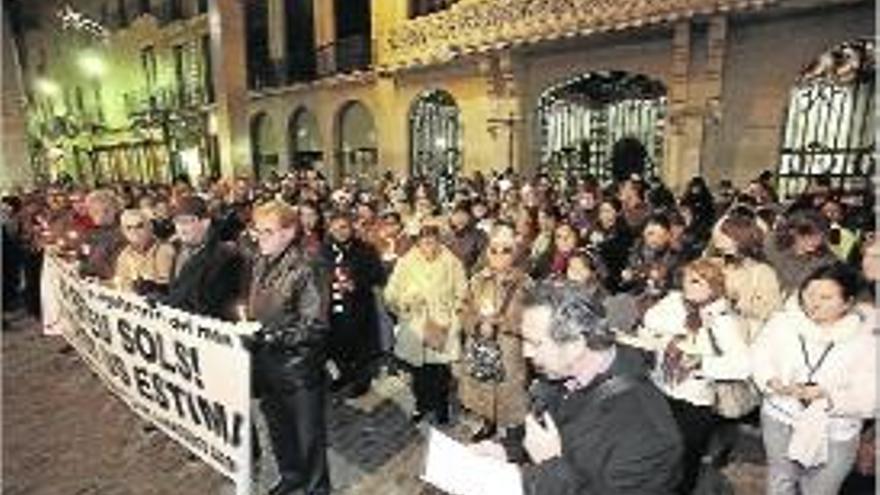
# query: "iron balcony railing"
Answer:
x=345 y=55
x=164 y=97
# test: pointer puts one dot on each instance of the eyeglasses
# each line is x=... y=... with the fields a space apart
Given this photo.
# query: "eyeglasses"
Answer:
x=501 y=250
x=262 y=232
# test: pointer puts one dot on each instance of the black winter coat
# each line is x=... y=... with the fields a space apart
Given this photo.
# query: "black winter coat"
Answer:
x=288 y=297
x=353 y=313
x=210 y=282
x=620 y=443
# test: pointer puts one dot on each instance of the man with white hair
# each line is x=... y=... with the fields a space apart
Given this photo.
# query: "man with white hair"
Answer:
x=104 y=242
x=144 y=265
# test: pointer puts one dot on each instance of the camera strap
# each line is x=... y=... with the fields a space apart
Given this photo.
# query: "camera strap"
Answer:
x=811 y=367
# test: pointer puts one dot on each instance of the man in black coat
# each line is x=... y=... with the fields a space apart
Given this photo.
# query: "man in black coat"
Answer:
x=599 y=425
x=354 y=269
x=209 y=275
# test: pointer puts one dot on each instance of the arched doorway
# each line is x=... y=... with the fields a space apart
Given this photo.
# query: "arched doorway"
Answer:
x=829 y=126
x=264 y=145
x=435 y=140
x=607 y=124
x=304 y=139
x=356 y=153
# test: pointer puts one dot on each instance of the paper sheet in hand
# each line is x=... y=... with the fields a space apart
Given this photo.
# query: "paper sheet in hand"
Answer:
x=455 y=469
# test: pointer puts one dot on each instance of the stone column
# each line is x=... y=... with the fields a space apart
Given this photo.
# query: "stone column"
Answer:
x=681 y=157
x=325 y=35
x=228 y=38
x=712 y=114
x=277 y=38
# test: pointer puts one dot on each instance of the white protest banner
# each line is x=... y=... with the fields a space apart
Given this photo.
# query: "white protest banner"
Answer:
x=189 y=375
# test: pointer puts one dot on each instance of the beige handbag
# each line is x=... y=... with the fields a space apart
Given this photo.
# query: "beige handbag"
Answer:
x=435 y=335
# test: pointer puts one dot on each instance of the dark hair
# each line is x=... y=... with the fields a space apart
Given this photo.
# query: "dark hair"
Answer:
x=192 y=205
x=463 y=207
x=614 y=202
x=429 y=231
x=660 y=219
x=846 y=277
x=337 y=214
x=741 y=225
x=387 y=215
x=801 y=221
x=573 y=314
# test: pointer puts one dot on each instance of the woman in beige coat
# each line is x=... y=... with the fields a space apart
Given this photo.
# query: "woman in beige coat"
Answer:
x=751 y=284
x=492 y=314
x=426 y=291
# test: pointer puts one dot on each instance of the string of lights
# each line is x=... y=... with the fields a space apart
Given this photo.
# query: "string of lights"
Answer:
x=73 y=19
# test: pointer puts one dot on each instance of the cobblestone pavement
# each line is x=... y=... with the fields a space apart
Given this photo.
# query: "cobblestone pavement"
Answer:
x=65 y=434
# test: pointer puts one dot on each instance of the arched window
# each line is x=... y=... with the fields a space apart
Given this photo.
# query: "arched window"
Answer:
x=435 y=140
x=304 y=139
x=356 y=152
x=829 y=126
x=264 y=146
x=602 y=124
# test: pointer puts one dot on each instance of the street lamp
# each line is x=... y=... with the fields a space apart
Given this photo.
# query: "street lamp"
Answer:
x=91 y=64
x=47 y=87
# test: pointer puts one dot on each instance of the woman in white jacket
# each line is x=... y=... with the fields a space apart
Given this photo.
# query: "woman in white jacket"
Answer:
x=698 y=339
x=816 y=364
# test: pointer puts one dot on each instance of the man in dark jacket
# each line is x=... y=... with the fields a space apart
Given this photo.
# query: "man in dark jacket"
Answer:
x=354 y=269
x=288 y=297
x=606 y=429
x=209 y=275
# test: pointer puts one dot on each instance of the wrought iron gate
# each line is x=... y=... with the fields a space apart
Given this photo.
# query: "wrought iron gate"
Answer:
x=435 y=141
x=582 y=119
x=829 y=127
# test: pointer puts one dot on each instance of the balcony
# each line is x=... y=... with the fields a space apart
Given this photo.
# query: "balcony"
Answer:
x=138 y=102
x=346 y=55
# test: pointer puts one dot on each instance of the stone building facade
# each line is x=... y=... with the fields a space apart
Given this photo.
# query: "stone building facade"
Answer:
x=360 y=87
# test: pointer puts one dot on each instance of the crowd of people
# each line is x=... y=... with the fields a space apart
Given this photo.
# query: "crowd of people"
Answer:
x=609 y=337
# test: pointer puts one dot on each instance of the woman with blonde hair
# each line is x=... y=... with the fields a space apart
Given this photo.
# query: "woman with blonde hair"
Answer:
x=426 y=291
x=698 y=342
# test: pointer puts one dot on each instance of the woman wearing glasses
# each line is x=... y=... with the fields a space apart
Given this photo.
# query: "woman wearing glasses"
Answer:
x=493 y=377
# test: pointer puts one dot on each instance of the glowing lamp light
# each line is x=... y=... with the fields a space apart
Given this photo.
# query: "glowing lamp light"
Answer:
x=92 y=65
x=47 y=87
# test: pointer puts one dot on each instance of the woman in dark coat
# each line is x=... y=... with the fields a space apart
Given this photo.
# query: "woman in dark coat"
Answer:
x=355 y=269
x=288 y=298
x=612 y=240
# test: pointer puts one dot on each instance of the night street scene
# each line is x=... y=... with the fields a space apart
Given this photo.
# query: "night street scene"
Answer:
x=439 y=247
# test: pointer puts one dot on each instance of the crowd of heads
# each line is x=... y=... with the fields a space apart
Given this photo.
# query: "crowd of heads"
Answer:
x=629 y=236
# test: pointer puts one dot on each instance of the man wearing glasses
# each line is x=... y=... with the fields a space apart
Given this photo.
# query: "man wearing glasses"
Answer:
x=144 y=265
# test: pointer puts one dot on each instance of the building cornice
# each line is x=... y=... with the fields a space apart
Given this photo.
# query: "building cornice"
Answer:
x=472 y=27
x=356 y=78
